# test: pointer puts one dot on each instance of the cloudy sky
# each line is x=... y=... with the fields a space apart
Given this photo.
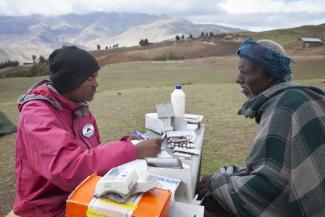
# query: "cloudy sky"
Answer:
x=255 y=15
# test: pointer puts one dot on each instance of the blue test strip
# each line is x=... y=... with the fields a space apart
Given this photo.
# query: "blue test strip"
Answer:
x=140 y=135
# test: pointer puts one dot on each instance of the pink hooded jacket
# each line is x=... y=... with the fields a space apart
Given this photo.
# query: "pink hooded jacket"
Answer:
x=57 y=147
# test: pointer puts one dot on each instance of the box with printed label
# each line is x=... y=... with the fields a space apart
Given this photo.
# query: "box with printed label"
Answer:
x=81 y=203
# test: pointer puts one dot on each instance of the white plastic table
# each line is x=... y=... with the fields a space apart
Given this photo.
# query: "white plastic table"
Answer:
x=189 y=174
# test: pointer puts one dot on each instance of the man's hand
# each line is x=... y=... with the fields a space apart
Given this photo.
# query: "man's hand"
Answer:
x=202 y=188
x=148 y=148
x=208 y=201
x=211 y=205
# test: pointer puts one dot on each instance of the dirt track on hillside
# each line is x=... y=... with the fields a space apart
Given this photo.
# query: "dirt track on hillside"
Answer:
x=186 y=49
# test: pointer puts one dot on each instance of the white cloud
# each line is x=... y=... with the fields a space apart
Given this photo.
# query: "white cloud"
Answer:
x=272 y=6
x=267 y=22
x=253 y=15
x=58 y=7
x=22 y=7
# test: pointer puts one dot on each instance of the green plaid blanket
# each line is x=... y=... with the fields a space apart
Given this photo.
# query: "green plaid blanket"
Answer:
x=286 y=166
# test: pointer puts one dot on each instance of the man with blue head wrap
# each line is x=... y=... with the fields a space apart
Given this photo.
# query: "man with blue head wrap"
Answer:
x=268 y=55
x=268 y=63
x=284 y=174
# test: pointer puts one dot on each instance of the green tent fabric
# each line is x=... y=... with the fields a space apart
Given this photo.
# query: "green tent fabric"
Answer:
x=6 y=126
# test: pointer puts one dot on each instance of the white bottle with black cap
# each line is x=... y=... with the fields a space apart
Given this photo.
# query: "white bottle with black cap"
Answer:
x=177 y=99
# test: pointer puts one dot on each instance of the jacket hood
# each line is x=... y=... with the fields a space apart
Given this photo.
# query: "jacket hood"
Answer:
x=44 y=90
x=253 y=107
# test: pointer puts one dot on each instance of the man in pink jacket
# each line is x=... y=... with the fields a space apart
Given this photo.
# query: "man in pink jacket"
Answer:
x=58 y=142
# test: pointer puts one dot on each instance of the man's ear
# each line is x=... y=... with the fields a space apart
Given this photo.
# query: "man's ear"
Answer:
x=271 y=79
x=268 y=78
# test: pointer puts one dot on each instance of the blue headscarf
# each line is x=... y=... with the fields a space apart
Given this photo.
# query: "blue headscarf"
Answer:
x=271 y=61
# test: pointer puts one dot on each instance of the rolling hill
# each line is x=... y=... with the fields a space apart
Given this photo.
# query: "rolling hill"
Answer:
x=290 y=36
x=21 y=37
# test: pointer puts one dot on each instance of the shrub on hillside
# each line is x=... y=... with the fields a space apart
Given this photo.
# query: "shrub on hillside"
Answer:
x=35 y=70
x=144 y=42
x=8 y=63
x=170 y=56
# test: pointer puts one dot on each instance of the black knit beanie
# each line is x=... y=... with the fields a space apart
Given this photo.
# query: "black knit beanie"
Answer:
x=70 y=67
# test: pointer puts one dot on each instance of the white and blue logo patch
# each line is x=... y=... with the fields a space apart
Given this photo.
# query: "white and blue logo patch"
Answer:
x=88 y=130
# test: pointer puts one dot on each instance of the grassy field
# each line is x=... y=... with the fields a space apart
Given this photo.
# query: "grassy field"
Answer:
x=129 y=90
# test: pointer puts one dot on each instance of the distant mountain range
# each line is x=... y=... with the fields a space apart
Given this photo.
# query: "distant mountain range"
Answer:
x=22 y=37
